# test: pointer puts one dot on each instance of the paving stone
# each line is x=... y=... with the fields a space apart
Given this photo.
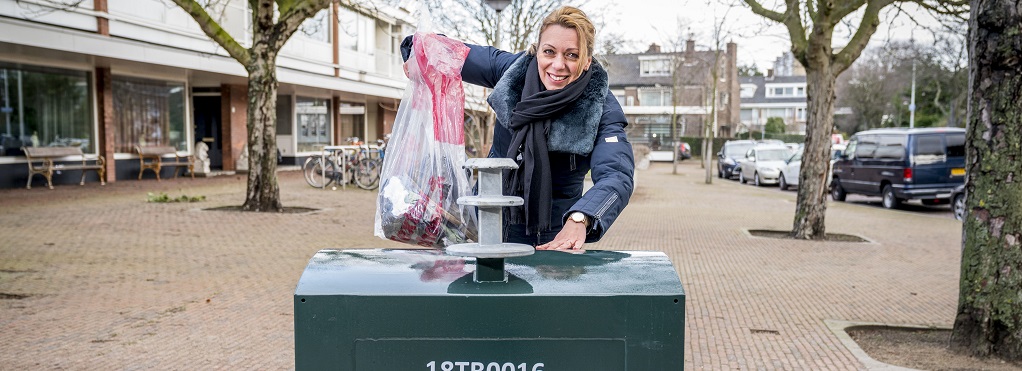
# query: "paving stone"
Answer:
x=94 y=277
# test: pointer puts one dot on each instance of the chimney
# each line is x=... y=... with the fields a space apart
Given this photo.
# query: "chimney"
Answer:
x=690 y=46
x=770 y=73
x=653 y=49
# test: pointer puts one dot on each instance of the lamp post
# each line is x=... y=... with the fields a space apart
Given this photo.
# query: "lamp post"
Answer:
x=498 y=6
x=912 y=104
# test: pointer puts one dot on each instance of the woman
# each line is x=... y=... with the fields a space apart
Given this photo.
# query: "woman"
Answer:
x=558 y=119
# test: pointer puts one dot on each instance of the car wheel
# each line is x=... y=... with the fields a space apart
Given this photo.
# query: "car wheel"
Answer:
x=958 y=206
x=836 y=191
x=783 y=185
x=890 y=201
x=741 y=177
x=755 y=178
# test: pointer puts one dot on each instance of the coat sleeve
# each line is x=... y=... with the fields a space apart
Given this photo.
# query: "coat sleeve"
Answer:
x=484 y=65
x=613 y=168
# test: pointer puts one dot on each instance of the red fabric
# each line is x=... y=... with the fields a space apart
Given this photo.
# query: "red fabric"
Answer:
x=440 y=60
x=426 y=214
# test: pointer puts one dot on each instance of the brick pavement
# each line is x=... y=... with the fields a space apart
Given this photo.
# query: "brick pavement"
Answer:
x=94 y=277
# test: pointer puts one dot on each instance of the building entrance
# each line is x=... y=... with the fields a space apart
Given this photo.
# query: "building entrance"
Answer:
x=208 y=127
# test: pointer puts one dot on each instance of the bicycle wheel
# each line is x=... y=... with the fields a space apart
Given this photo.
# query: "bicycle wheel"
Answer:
x=314 y=172
x=367 y=174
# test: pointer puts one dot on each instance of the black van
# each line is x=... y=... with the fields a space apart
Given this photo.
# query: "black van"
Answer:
x=901 y=164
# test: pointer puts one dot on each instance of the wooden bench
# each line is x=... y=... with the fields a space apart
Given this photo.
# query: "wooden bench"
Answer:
x=152 y=157
x=40 y=161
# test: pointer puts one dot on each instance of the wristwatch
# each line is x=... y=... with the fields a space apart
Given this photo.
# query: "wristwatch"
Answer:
x=579 y=217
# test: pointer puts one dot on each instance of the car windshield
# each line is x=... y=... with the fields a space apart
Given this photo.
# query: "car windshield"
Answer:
x=737 y=150
x=772 y=154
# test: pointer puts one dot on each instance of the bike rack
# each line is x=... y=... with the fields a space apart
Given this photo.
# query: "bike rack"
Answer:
x=344 y=155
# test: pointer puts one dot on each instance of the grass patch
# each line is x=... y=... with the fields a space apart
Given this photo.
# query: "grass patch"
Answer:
x=164 y=198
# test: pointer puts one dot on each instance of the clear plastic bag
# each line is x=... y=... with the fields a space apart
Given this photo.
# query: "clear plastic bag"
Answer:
x=422 y=174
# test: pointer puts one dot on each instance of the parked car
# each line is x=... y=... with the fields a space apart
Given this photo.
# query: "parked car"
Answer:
x=958 y=202
x=793 y=165
x=790 y=171
x=684 y=151
x=732 y=153
x=901 y=164
x=763 y=164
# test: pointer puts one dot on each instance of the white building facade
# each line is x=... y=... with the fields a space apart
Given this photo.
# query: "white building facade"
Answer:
x=764 y=97
x=781 y=93
x=109 y=75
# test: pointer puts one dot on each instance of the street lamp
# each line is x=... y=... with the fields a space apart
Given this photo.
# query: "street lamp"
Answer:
x=912 y=105
x=498 y=6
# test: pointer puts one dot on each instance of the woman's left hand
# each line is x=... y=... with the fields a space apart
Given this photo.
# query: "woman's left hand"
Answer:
x=569 y=239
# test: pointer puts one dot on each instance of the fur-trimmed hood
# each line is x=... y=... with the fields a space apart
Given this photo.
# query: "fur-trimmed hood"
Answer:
x=575 y=131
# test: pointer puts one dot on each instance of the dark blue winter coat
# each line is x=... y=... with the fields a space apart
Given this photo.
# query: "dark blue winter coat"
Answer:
x=590 y=136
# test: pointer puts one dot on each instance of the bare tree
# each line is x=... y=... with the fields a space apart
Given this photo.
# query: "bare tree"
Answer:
x=811 y=25
x=876 y=87
x=721 y=67
x=681 y=75
x=478 y=125
x=868 y=88
x=952 y=87
x=611 y=43
x=989 y=308
x=273 y=23
x=475 y=22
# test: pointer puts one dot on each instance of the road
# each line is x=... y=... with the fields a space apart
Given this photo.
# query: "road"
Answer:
x=939 y=211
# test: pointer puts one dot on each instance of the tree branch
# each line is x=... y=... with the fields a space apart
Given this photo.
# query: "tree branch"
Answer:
x=796 y=30
x=791 y=19
x=867 y=26
x=214 y=31
x=766 y=13
x=291 y=18
x=957 y=8
x=846 y=8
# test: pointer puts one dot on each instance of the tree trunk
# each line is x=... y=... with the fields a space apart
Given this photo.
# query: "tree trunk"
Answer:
x=707 y=161
x=989 y=320
x=811 y=204
x=263 y=193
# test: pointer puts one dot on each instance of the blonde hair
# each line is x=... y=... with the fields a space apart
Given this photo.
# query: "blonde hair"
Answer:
x=573 y=18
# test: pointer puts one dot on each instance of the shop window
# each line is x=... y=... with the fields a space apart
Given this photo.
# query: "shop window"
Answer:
x=149 y=112
x=44 y=107
x=313 y=117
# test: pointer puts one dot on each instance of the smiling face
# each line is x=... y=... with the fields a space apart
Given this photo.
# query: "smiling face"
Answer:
x=558 y=57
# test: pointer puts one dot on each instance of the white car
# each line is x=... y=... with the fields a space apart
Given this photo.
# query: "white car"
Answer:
x=793 y=165
x=790 y=171
x=763 y=164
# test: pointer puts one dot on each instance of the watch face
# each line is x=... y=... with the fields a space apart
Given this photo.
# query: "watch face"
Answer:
x=578 y=217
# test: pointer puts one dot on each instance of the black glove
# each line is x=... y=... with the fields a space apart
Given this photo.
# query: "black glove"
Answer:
x=406 y=47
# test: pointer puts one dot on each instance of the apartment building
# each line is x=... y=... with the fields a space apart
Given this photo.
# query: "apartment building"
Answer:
x=107 y=75
x=656 y=85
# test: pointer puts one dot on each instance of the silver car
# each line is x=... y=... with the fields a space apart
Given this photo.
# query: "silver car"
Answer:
x=763 y=164
x=793 y=165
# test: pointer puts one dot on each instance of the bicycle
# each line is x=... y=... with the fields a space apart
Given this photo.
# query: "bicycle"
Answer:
x=368 y=169
x=343 y=165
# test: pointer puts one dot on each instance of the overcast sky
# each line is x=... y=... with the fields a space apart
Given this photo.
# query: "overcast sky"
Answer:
x=646 y=21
